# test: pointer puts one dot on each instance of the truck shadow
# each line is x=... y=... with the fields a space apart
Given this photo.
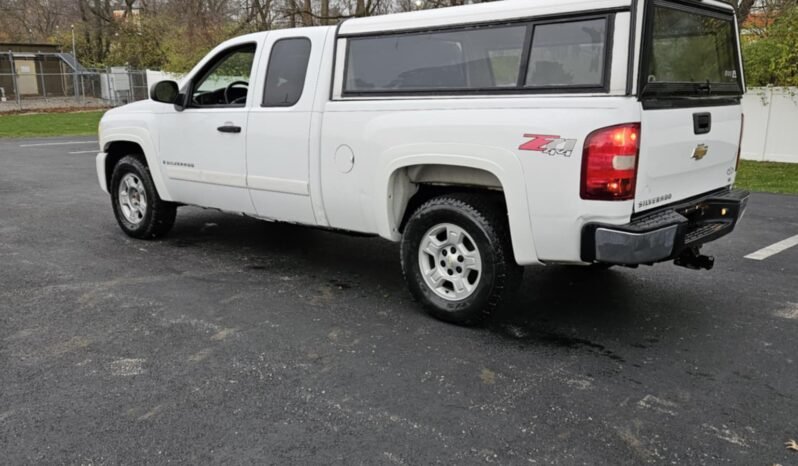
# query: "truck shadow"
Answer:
x=557 y=305
x=626 y=315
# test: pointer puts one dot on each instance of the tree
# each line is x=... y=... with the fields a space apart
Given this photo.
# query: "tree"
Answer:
x=174 y=34
x=773 y=59
x=141 y=43
x=743 y=9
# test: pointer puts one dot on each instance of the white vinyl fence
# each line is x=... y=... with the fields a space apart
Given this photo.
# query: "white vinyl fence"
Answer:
x=771 y=124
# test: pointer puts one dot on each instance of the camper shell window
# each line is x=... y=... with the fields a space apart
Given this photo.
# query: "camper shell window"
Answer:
x=562 y=55
x=689 y=53
x=568 y=54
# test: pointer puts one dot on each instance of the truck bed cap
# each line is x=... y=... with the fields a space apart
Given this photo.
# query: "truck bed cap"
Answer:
x=478 y=13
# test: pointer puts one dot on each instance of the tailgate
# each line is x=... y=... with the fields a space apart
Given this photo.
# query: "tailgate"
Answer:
x=690 y=87
x=676 y=163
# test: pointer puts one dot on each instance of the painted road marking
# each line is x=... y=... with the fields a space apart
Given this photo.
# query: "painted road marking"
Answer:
x=773 y=249
x=85 y=152
x=57 y=143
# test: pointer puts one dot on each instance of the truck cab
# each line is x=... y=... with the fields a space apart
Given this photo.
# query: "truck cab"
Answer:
x=483 y=138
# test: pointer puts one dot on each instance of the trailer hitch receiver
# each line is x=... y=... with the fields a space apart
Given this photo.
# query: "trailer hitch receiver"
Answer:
x=692 y=259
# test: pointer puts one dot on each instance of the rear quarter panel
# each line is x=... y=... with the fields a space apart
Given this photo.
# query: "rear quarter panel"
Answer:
x=541 y=189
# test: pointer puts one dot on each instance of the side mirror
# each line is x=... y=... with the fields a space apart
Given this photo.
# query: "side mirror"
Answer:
x=165 y=92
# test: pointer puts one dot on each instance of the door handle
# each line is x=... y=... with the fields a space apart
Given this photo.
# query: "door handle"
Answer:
x=229 y=129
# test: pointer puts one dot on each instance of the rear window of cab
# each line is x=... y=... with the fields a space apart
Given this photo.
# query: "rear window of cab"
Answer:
x=556 y=56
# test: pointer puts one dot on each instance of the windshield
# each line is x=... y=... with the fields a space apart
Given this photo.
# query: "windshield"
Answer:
x=690 y=52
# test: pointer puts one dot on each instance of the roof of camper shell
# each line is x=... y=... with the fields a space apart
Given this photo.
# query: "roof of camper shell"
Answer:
x=483 y=13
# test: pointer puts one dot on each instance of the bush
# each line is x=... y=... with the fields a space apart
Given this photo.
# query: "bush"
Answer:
x=773 y=58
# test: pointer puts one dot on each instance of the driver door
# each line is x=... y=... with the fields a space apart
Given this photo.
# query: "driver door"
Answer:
x=203 y=147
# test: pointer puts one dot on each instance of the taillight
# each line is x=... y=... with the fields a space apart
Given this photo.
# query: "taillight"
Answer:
x=609 y=163
x=740 y=145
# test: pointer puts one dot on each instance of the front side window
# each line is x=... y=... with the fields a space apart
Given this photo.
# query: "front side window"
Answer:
x=690 y=52
x=568 y=54
x=285 y=76
x=225 y=80
x=485 y=58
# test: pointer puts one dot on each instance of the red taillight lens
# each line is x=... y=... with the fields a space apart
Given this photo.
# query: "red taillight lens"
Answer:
x=740 y=145
x=609 y=163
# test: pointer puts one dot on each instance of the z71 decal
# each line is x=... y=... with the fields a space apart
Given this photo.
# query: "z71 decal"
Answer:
x=548 y=144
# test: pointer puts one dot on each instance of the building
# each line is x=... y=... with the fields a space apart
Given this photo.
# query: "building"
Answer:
x=31 y=70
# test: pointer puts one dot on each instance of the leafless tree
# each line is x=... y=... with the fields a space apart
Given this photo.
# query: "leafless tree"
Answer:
x=100 y=24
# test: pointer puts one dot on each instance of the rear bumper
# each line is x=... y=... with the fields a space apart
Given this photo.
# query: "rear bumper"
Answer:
x=662 y=235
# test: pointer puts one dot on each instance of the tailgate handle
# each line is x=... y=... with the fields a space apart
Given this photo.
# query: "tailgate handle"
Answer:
x=702 y=123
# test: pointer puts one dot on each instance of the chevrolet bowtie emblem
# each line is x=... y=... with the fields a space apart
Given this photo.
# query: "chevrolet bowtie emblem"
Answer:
x=700 y=151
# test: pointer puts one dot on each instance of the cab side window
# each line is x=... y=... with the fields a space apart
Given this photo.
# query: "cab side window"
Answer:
x=224 y=82
x=285 y=76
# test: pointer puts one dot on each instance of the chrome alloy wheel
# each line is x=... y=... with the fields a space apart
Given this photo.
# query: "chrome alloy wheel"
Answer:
x=132 y=198
x=450 y=262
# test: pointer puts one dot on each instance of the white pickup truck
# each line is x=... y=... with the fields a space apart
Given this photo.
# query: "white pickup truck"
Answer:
x=483 y=138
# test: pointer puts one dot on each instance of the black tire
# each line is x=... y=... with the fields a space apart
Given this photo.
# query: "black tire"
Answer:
x=159 y=216
x=484 y=219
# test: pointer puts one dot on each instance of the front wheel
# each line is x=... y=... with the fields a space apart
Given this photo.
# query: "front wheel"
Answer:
x=457 y=257
x=139 y=210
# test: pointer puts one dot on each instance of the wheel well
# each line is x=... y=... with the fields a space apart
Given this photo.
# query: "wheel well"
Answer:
x=118 y=149
x=413 y=186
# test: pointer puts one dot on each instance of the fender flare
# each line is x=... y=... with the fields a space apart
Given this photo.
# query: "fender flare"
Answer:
x=508 y=171
x=141 y=137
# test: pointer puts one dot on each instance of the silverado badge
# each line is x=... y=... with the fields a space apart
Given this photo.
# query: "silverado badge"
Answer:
x=700 y=151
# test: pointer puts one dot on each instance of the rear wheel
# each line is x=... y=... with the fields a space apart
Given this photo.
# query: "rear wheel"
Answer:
x=457 y=257
x=139 y=210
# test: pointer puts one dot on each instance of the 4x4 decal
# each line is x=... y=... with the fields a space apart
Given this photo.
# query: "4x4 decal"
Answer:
x=549 y=144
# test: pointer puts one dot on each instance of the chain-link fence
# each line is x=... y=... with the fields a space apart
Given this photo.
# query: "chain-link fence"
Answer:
x=30 y=81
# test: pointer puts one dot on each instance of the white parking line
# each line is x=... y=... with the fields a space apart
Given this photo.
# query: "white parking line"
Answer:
x=85 y=152
x=57 y=143
x=773 y=249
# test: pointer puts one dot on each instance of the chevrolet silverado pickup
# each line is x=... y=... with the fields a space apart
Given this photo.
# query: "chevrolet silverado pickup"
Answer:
x=483 y=138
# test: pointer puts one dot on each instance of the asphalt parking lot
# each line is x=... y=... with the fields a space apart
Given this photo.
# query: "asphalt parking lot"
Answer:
x=239 y=341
